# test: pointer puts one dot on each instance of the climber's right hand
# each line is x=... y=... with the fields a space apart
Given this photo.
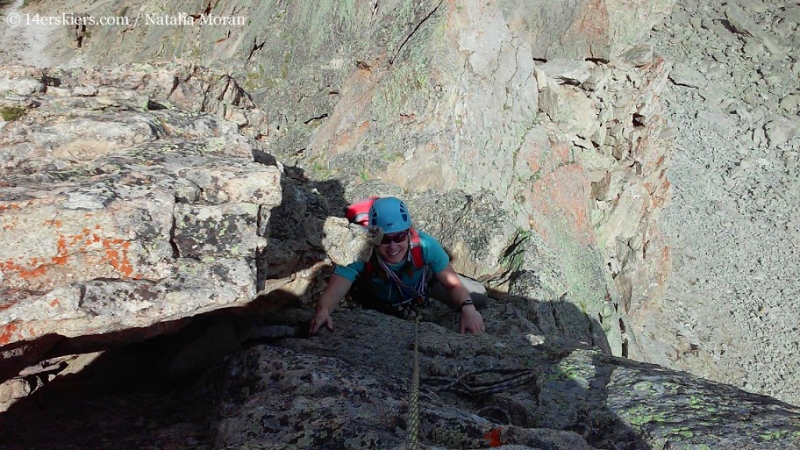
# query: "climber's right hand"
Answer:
x=322 y=317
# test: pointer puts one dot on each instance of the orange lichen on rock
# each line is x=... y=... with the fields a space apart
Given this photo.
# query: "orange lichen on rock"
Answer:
x=9 y=333
x=23 y=272
x=62 y=254
x=6 y=206
x=117 y=256
x=17 y=331
x=82 y=252
x=564 y=194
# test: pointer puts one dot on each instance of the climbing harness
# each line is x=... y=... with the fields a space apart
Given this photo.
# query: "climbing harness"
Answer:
x=417 y=292
x=413 y=408
x=391 y=215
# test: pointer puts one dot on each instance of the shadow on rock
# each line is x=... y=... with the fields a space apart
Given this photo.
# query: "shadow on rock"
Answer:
x=92 y=393
x=136 y=388
x=350 y=388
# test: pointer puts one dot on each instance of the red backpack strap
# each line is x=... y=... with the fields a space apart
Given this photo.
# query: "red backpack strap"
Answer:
x=416 y=249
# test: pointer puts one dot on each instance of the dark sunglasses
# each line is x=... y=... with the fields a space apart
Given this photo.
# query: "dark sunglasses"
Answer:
x=397 y=238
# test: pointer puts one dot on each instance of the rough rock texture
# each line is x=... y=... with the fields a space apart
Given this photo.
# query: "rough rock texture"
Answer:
x=731 y=308
x=540 y=162
x=528 y=170
x=349 y=389
x=493 y=100
x=124 y=204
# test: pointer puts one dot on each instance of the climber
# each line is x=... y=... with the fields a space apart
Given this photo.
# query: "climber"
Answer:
x=406 y=268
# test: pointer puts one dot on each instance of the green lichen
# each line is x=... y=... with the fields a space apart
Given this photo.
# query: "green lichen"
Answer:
x=255 y=78
x=449 y=437
x=412 y=83
x=324 y=18
x=683 y=432
x=774 y=435
x=320 y=168
x=642 y=415
x=12 y=113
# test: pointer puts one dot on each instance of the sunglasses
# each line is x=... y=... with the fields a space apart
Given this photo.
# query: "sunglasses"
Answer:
x=397 y=238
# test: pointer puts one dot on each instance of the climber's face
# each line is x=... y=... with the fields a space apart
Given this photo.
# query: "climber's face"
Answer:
x=393 y=247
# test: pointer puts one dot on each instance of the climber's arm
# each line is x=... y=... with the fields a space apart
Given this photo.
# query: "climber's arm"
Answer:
x=328 y=301
x=471 y=319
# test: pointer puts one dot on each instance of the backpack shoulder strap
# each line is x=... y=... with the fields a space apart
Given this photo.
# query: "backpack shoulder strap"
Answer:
x=369 y=266
x=416 y=249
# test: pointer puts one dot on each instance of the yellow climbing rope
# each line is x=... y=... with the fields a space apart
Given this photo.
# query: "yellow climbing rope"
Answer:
x=413 y=408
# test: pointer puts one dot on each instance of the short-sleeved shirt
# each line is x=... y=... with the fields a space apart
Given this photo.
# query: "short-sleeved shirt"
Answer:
x=433 y=256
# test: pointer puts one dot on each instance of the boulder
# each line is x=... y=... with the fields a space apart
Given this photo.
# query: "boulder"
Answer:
x=118 y=215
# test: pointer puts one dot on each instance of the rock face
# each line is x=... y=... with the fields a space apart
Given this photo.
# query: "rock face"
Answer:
x=734 y=225
x=529 y=139
x=497 y=101
x=349 y=389
x=542 y=178
x=124 y=203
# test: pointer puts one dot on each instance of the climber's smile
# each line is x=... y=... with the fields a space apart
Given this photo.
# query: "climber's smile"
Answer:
x=393 y=247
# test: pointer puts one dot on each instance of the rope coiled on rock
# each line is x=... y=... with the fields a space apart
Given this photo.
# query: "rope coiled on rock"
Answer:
x=470 y=384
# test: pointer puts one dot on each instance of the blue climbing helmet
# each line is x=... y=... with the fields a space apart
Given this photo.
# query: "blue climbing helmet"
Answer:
x=391 y=214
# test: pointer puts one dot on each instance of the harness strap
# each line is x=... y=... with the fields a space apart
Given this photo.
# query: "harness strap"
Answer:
x=415 y=248
x=418 y=290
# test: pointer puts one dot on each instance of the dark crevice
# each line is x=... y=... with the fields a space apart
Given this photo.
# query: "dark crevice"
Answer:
x=261 y=255
x=515 y=245
x=221 y=95
x=173 y=229
x=154 y=106
x=554 y=313
x=408 y=38
x=624 y=338
x=175 y=83
x=82 y=295
x=50 y=81
x=315 y=118
x=205 y=12
x=256 y=47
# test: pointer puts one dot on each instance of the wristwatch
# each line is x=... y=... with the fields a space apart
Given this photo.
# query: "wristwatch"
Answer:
x=464 y=303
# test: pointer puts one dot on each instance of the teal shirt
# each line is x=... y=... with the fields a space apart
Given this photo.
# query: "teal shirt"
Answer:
x=433 y=255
